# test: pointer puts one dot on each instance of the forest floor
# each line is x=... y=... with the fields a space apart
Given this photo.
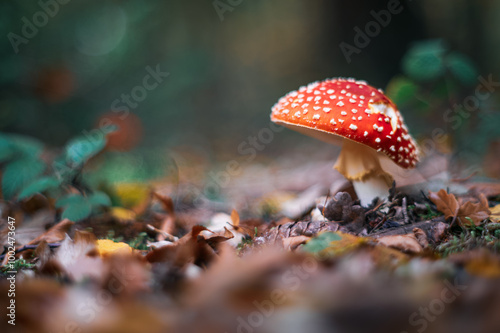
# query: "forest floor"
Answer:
x=284 y=246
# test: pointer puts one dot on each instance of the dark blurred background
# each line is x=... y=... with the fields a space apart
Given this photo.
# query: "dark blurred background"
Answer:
x=230 y=61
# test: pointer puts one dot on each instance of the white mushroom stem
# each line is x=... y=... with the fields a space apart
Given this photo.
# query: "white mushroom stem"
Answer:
x=361 y=165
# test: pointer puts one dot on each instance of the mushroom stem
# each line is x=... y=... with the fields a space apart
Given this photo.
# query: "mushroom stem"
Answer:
x=361 y=165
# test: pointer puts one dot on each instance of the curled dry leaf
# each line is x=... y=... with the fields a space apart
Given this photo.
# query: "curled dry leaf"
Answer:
x=191 y=248
x=55 y=234
x=168 y=223
x=421 y=237
x=291 y=243
x=405 y=243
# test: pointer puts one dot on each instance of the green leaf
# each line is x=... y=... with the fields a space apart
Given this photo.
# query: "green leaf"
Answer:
x=401 y=90
x=77 y=209
x=321 y=242
x=40 y=185
x=68 y=200
x=19 y=174
x=99 y=199
x=462 y=68
x=424 y=61
x=26 y=145
x=80 y=150
x=13 y=144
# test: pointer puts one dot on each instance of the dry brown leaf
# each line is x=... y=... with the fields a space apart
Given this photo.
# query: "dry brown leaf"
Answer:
x=235 y=218
x=445 y=202
x=405 y=243
x=55 y=234
x=191 y=248
x=421 y=237
x=291 y=243
x=448 y=204
x=477 y=212
x=168 y=223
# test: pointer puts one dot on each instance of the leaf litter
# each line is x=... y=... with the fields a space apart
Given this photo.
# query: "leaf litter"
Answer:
x=317 y=260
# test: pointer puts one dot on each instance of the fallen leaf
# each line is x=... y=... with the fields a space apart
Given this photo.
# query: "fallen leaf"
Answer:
x=168 y=223
x=235 y=218
x=421 y=237
x=448 y=204
x=291 y=243
x=445 y=202
x=495 y=213
x=122 y=214
x=405 y=243
x=107 y=247
x=55 y=234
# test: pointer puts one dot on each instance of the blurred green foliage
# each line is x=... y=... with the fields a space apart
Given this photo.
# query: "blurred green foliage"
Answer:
x=435 y=83
x=25 y=173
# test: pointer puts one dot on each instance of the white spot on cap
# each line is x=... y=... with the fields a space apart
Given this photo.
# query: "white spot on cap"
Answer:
x=353 y=127
x=317 y=92
x=330 y=91
x=297 y=114
x=333 y=96
x=326 y=101
x=310 y=98
x=333 y=122
x=286 y=111
x=392 y=148
x=377 y=140
x=341 y=120
x=366 y=133
x=380 y=129
x=354 y=111
x=327 y=109
x=343 y=113
x=340 y=103
x=343 y=91
x=294 y=105
x=352 y=100
x=316 y=108
x=316 y=117
x=360 y=117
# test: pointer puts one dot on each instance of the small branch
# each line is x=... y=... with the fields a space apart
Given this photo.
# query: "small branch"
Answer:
x=168 y=237
x=31 y=247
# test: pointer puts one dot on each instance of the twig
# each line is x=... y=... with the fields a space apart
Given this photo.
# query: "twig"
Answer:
x=405 y=211
x=378 y=225
x=31 y=247
x=165 y=234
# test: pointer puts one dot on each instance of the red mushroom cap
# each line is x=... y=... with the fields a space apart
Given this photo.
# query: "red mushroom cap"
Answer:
x=348 y=109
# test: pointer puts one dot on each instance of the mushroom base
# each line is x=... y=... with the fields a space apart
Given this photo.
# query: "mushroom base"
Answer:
x=361 y=165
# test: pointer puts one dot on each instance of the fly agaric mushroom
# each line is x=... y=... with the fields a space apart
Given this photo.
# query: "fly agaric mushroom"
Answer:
x=361 y=119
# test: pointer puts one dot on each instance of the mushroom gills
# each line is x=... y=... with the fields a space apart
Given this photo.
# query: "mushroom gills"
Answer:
x=361 y=165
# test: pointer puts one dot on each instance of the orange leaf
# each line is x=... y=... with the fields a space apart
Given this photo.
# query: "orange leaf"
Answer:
x=445 y=202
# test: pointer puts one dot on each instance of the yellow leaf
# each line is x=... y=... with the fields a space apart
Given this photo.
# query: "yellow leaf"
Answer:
x=495 y=213
x=134 y=196
x=106 y=247
x=123 y=214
